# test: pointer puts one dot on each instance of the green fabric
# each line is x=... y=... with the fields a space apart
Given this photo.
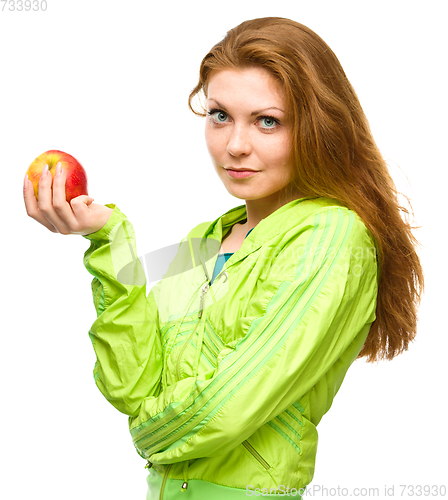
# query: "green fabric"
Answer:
x=203 y=490
x=220 y=261
x=227 y=384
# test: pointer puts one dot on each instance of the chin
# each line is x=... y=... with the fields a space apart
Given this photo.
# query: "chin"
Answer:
x=246 y=194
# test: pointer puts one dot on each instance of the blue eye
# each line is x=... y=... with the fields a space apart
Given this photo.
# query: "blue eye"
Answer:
x=218 y=115
x=269 y=122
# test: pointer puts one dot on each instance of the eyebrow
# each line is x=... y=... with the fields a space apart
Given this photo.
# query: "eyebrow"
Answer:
x=253 y=112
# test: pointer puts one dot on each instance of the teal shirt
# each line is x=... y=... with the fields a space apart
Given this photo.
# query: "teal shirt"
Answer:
x=222 y=258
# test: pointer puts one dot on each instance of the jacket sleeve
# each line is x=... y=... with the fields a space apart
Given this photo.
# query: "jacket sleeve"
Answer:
x=125 y=335
x=301 y=331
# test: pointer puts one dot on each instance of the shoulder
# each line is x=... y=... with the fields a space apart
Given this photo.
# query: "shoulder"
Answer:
x=332 y=219
x=198 y=231
x=327 y=231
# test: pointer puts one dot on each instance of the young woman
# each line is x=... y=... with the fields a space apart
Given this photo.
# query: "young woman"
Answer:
x=229 y=363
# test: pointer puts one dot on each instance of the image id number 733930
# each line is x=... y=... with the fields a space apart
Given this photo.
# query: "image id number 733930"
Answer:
x=24 y=5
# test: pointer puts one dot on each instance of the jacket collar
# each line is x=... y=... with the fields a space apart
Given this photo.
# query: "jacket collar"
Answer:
x=279 y=221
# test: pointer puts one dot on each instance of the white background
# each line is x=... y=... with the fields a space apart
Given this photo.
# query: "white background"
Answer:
x=108 y=81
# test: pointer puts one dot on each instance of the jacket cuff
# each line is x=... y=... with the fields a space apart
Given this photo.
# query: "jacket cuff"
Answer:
x=102 y=235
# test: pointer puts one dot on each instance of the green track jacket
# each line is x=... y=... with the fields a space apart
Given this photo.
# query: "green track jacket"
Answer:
x=225 y=384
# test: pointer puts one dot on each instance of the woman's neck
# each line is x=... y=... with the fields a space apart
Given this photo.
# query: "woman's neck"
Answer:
x=257 y=210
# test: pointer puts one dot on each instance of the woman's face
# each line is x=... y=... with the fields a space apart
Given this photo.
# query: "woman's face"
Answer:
x=246 y=129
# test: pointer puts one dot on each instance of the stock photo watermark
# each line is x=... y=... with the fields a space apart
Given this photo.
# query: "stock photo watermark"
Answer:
x=188 y=256
x=191 y=263
x=23 y=5
x=316 y=490
x=192 y=253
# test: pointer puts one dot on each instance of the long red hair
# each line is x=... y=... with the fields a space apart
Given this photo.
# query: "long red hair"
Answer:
x=334 y=156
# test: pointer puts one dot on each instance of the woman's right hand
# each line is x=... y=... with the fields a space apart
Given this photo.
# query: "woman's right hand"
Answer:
x=80 y=216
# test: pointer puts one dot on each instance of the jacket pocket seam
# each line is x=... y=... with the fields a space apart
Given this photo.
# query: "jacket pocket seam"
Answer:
x=256 y=455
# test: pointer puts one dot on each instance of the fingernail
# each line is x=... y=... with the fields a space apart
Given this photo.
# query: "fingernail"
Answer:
x=58 y=168
x=44 y=172
x=25 y=181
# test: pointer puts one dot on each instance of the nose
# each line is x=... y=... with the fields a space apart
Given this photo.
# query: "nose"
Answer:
x=239 y=141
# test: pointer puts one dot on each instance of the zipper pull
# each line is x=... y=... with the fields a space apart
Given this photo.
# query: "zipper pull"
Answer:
x=201 y=304
x=148 y=465
x=185 y=475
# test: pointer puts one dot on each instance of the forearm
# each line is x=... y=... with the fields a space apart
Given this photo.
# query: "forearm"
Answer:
x=125 y=335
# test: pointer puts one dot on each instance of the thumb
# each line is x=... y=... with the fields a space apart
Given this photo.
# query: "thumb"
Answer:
x=83 y=198
x=80 y=203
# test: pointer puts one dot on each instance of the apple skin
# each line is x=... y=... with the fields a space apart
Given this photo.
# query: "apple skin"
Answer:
x=76 y=178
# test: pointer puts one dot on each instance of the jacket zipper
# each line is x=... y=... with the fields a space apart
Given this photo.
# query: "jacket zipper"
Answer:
x=205 y=289
x=165 y=477
x=256 y=455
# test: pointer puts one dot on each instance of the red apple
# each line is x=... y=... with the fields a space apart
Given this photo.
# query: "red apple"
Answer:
x=76 y=178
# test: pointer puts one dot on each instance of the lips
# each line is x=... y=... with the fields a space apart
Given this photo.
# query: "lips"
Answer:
x=240 y=173
x=242 y=169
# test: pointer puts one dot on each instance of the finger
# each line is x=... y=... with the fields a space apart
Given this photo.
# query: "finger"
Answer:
x=60 y=205
x=80 y=208
x=45 y=202
x=31 y=206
